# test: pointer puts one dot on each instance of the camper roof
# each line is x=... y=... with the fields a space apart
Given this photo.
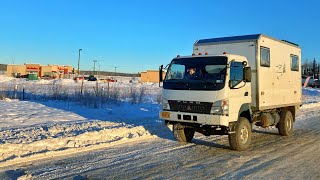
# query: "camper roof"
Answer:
x=252 y=37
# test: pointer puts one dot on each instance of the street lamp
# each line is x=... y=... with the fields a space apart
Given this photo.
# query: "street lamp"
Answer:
x=94 y=66
x=79 y=62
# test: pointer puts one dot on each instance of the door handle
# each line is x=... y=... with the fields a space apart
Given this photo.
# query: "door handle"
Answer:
x=246 y=94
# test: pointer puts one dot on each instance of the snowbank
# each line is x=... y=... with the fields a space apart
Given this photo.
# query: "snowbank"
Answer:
x=310 y=105
x=30 y=128
x=61 y=137
x=310 y=95
x=14 y=113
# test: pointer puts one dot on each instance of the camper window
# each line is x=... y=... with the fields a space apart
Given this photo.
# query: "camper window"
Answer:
x=294 y=63
x=264 y=56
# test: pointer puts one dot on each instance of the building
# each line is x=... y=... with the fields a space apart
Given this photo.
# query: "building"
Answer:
x=49 y=71
x=16 y=70
x=60 y=71
x=67 y=69
x=151 y=76
x=33 y=71
x=36 y=70
x=3 y=69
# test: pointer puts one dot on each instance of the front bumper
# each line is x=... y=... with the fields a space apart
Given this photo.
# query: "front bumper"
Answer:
x=203 y=119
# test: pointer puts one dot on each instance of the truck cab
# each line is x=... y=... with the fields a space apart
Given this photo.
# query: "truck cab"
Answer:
x=205 y=98
x=205 y=92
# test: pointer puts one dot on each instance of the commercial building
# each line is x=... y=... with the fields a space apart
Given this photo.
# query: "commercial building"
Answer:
x=16 y=70
x=49 y=71
x=151 y=76
x=33 y=71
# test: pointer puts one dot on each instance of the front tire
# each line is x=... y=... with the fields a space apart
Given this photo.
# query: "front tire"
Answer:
x=182 y=133
x=240 y=140
x=285 y=126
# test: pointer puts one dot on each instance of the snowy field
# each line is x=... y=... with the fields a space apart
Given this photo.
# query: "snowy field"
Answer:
x=44 y=138
x=43 y=124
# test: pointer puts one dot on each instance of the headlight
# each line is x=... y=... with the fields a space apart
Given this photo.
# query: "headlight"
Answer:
x=165 y=104
x=220 y=108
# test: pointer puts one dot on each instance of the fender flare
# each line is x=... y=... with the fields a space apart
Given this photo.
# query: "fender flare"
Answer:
x=245 y=111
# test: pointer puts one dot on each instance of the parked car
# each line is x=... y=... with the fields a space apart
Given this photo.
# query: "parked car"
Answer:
x=92 y=78
x=47 y=77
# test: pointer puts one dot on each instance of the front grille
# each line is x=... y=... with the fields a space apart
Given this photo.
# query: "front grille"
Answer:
x=191 y=107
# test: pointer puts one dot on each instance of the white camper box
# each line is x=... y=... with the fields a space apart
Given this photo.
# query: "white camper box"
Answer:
x=273 y=86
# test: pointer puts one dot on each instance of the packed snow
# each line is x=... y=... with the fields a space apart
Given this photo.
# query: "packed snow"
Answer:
x=15 y=113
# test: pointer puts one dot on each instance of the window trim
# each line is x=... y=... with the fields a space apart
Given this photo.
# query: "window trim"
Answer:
x=292 y=55
x=264 y=65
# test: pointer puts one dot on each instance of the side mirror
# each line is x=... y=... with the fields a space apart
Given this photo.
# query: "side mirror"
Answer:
x=160 y=74
x=247 y=74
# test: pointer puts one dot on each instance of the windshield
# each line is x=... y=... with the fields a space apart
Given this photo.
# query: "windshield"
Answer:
x=196 y=73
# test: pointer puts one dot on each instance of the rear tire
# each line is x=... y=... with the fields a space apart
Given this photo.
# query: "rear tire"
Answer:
x=182 y=133
x=240 y=140
x=285 y=126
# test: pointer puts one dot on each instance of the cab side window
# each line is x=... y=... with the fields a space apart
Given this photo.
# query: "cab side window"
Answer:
x=236 y=73
x=264 y=56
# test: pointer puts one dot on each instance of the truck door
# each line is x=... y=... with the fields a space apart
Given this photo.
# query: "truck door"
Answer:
x=240 y=91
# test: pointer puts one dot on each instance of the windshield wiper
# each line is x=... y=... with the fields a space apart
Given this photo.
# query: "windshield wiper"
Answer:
x=208 y=83
x=181 y=82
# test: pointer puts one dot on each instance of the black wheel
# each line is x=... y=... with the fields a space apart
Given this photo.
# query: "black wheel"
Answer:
x=182 y=133
x=285 y=125
x=240 y=140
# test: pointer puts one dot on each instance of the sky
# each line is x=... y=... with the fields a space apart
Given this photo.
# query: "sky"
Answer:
x=135 y=35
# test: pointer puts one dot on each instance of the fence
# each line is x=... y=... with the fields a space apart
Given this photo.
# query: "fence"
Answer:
x=91 y=94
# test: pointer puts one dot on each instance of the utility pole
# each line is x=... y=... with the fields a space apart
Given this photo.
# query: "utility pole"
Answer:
x=115 y=70
x=98 y=70
x=314 y=71
x=79 y=63
x=94 y=67
x=318 y=71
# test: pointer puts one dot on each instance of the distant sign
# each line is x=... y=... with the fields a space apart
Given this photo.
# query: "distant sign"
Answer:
x=31 y=68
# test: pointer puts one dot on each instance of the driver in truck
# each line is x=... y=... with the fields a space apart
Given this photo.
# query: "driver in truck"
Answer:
x=191 y=73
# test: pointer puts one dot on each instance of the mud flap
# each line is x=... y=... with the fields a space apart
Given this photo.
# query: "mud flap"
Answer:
x=231 y=128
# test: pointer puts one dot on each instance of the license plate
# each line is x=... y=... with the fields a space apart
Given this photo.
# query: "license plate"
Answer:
x=165 y=115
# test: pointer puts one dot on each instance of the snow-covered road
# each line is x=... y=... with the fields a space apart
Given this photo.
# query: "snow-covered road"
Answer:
x=270 y=157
